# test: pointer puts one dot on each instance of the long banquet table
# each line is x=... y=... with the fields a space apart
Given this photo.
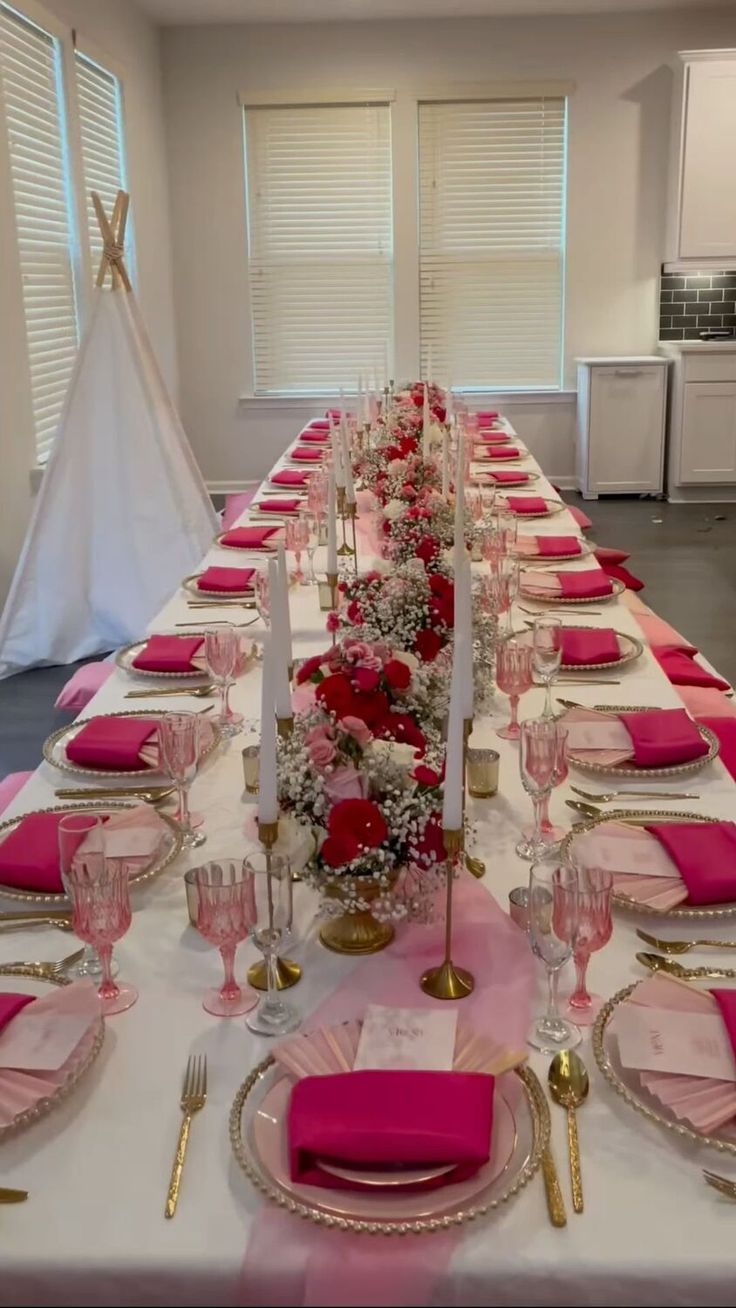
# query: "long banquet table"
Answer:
x=93 y=1231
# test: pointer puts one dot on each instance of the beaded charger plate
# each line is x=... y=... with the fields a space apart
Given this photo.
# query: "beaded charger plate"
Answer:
x=645 y=774
x=125 y=656
x=551 y=560
x=269 y=546
x=484 y=477
x=259 y=1141
x=640 y=818
x=54 y=746
x=617 y=588
x=625 y=1082
x=552 y=507
x=170 y=847
x=630 y=647
x=77 y=1065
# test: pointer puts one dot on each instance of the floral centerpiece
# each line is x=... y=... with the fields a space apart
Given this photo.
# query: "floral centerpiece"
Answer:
x=409 y=608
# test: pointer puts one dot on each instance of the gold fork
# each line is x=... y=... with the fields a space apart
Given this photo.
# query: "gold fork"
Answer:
x=53 y=970
x=720 y=1183
x=193 y=1097
x=683 y=946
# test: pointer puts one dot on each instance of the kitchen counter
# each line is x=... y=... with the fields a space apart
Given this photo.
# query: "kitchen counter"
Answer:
x=697 y=347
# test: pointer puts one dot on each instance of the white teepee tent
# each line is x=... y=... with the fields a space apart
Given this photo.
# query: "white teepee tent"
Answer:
x=123 y=513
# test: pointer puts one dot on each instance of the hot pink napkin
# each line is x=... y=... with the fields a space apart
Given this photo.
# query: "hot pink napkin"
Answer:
x=502 y=452
x=29 y=856
x=291 y=477
x=682 y=670
x=168 y=654
x=726 y=1001
x=236 y=580
x=596 y=645
x=663 y=737
x=493 y=437
x=10 y=1005
x=527 y=504
x=248 y=538
x=114 y=743
x=314 y=435
x=503 y=475
x=553 y=546
x=486 y=415
x=724 y=728
x=305 y=454
x=319 y=424
x=704 y=854
x=388 y=1119
x=591 y=584
x=277 y=505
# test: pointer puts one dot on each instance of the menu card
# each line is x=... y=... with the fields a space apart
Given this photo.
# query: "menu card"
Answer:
x=422 y=1039
x=660 y=1040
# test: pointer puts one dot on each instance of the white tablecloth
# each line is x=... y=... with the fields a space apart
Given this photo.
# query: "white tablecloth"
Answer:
x=93 y=1230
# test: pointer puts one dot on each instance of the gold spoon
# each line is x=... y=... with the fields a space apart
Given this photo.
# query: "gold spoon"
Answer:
x=683 y=946
x=656 y=963
x=587 y=810
x=569 y=1085
x=146 y=794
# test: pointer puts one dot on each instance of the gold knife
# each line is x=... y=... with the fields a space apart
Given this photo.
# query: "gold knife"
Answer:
x=656 y=963
x=553 y=1191
x=8 y=1196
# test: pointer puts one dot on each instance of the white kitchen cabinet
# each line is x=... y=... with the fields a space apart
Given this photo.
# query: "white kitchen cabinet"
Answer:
x=621 y=425
x=708 y=452
x=702 y=205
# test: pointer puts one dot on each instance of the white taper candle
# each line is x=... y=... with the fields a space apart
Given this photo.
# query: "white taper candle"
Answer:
x=331 y=525
x=268 y=804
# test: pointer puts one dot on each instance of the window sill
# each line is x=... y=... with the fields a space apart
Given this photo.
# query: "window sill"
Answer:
x=270 y=403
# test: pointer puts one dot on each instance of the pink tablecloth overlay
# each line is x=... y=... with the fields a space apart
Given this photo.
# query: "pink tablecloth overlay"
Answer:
x=290 y=1262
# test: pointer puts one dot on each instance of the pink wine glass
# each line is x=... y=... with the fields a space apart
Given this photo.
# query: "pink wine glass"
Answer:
x=296 y=539
x=539 y=745
x=222 y=650
x=75 y=830
x=225 y=912
x=100 y=899
x=593 y=931
x=514 y=677
x=178 y=735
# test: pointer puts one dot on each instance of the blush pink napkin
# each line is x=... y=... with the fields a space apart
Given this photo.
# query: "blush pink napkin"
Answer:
x=554 y=546
x=248 y=538
x=277 y=505
x=305 y=454
x=509 y=475
x=380 y=1119
x=83 y=685
x=598 y=645
x=591 y=584
x=236 y=580
x=291 y=477
x=579 y=516
x=168 y=654
x=526 y=504
x=29 y=856
x=10 y=1005
x=10 y=786
x=113 y=743
x=336 y=1268
x=704 y=854
x=314 y=435
x=663 y=737
x=682 y=670
x=502 y=452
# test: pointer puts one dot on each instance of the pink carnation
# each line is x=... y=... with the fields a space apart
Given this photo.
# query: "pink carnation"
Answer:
x=357 y=729
x=321 y=746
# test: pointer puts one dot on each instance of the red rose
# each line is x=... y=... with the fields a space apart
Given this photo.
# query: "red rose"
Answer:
x=428 y=549
x=426 y=776
x=440 y=585
x=309 y=667
x=443 y=611
x=407 y=445
x=354 y=614
x=418 y=397
x=408 y=492
x=392 y=452
x=366 y=679
x=337 y=850
x=370 y=707
x=359 y=820
x=439 y=412
x=386 y=527
x=402 y=727
x=336 y=695
x=431 y=842
x=397 y=674
x=427 y=645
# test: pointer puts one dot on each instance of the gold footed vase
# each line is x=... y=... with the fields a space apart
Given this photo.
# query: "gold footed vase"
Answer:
x=355 y=933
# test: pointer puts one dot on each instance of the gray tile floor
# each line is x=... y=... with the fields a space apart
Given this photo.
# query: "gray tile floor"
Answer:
x=686 y=554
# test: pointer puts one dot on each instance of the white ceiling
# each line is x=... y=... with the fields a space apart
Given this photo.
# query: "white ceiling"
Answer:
x=174 y=12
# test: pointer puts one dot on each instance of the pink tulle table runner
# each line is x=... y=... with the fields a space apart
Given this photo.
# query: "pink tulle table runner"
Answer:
x=289 y=1262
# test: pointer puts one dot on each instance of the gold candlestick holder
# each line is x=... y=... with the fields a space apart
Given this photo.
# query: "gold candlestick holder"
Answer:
x=353 y=514
x=285 y=726
x=343 y=509
x=287 y=971
x=332 y=578
x=448 y=981
x=476 y=867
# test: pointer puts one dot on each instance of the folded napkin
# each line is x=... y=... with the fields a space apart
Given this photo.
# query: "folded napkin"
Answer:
x=388 y=1120
x=10 y=1005
x=724 y=729
x=547 y=547
x=277 y=505
x=622 y=574
x=305 y=454
x=315 y=435
x=319 y=424
x=490 y=437
x=704 y=854
x=527 y=504
x=682 y=670
x=71 y=1017
x=486 y=415
x=291 y=477
x=606 y=554
x=114 y=743
x=589 y=645
x=234 y=580
x=649 y=738
x=510 y=476
x=248 y=538
x=29 y=855
x=592 y=583
x=640 y=866
x=169 y=654
x=501 y=452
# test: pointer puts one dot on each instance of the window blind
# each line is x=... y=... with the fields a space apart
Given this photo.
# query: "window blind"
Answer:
x=319 y=244
x=492 y=203
x=30 y=86
x=101 y=130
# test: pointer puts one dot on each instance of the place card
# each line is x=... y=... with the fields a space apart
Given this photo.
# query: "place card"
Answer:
x=422 y=1039
x=659 y=1040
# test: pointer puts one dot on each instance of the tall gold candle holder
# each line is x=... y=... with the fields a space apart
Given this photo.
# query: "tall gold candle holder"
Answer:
x=332 y=578
x=448 y=981
x=287 y=971
x=343 y=508
x=475 y=866
x=353 y=514
x=285 y=726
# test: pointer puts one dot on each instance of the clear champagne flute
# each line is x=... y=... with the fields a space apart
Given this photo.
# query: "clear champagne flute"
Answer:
x=263 y=597
x=271 y=928
x=222 y=650
x=553 y=895
x=538 y=750
x=179 y=735
x=552 y=834
x=311 y=541
x=547 y=647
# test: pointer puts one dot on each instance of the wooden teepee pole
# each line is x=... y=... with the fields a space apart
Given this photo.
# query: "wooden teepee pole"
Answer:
x=112 y=230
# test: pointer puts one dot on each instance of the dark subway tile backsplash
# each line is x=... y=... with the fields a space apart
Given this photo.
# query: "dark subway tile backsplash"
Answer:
x=692 y=302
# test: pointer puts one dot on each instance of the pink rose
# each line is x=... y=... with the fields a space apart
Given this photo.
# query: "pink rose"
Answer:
x=320 y=744
x=345 y=783
x=357 y=729
x=355 y=650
